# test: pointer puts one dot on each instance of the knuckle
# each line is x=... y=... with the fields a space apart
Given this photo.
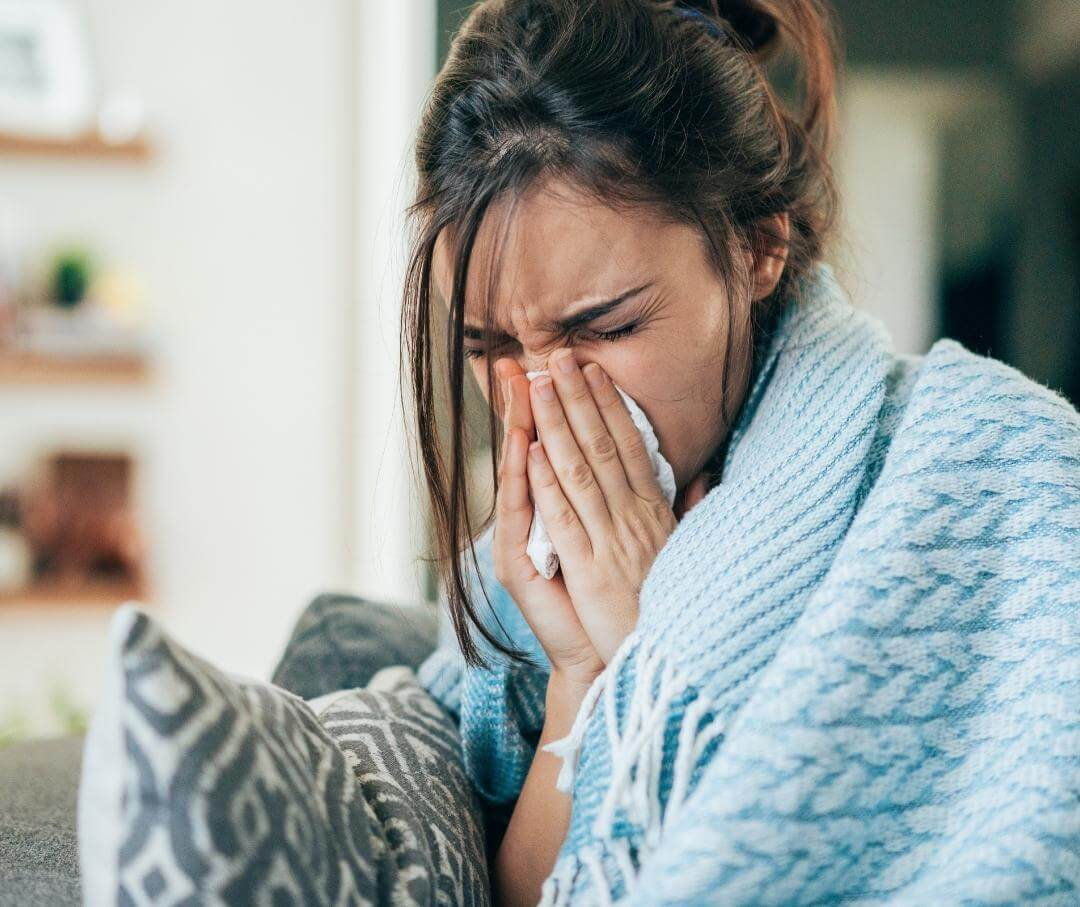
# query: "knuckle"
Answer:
x=579 y=473
x=579 y=393
x=607 y=396
x=634 y=529
x=610 y=401
x=636 y=452
x=602 y=448
x=546 y=479
x=565 y=518
x=661 y=511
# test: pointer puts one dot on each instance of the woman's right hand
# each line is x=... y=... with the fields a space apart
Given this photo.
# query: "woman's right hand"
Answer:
x=544 y=603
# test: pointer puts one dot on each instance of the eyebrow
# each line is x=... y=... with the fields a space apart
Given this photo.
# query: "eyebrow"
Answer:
x=571 y=321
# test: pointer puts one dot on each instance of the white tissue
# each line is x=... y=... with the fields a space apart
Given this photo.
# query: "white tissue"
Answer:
x=540 y=548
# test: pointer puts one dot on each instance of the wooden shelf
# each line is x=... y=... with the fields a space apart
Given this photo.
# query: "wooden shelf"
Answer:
x=95 y=592
x=89 y=145
x=38 y=368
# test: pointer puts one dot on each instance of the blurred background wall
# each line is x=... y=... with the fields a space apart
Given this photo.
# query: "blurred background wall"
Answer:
x=247 y=221
x=237 y=228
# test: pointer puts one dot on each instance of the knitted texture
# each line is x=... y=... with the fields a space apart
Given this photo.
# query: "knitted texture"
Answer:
x=856 y=669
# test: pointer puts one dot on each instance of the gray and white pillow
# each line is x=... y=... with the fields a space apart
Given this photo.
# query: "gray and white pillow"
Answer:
x=201 y=787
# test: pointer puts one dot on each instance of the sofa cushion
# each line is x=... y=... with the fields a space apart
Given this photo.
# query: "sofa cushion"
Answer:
x=203 y=787
x=38 y=860
x=340 y=641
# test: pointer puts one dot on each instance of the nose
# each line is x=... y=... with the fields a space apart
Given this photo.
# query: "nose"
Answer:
x=527 y=362
x=541 y=361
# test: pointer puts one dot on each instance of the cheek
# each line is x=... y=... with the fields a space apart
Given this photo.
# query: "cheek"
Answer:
x=676 y=387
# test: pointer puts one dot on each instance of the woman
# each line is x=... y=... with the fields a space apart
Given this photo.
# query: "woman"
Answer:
x=803 y=679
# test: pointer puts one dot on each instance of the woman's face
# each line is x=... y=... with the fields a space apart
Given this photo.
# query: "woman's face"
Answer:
x=563 y=254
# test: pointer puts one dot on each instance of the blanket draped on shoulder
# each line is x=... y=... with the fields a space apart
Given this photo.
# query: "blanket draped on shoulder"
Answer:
x=856 y=670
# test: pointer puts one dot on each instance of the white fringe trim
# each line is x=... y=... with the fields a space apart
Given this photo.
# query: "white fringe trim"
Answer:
x=637 y=761
x=559 y=886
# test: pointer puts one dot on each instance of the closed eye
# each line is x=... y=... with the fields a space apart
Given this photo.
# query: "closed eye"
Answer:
x=609 y=336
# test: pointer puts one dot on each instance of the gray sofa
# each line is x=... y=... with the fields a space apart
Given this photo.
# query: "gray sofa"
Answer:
x=339 y=642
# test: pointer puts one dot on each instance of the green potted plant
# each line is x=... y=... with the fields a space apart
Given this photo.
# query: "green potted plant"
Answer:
x=70 y=274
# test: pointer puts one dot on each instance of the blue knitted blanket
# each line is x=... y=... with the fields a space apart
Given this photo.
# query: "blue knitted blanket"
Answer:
x=856 y=670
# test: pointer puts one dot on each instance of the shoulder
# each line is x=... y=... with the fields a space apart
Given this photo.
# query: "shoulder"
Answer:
x=954 y=422
x=962 y=394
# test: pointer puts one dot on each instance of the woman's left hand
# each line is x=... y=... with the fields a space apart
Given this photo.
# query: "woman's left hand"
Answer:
x=593 y=482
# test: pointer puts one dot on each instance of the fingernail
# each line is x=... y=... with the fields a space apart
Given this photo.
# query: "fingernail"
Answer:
x=594 y=375
x=566 y=363
x=535 y=452
x=545 y=389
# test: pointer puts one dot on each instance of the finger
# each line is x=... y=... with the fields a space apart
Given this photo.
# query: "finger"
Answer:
x=589 y=429
x=514 y=510
x=574 y=474
x=504 y=444
x=637 y=465
x=521 y=413
x=504 y=370
x=518 y=413
x=510 y=367
x=497 y=398
x=567 y=533
x=515 y=411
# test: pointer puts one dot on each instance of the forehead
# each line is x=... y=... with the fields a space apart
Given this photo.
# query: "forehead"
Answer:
x=554 y=247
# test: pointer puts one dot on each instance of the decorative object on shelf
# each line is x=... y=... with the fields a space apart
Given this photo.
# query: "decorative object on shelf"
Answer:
x=88 y=329
x=79 y=520
x=70 y=276
x=120 y=119
x=121 y=294
x=81 y=309
x=46 y=83
x=16 y=557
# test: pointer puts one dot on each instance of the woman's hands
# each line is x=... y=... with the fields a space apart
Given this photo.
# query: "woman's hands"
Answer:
x=594 y=486
x=545 y=604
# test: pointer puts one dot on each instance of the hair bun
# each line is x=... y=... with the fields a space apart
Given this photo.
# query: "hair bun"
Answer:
x=755 y=26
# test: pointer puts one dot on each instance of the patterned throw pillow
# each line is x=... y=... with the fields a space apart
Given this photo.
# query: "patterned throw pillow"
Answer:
x=201 y=787
x=340 y=641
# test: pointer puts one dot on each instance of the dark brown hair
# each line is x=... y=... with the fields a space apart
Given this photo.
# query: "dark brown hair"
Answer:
x=634 y=103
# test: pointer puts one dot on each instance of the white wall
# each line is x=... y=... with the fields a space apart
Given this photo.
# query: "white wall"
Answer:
x=890 y=168
x=396 y=62
x=888 y=171
x=241 y=231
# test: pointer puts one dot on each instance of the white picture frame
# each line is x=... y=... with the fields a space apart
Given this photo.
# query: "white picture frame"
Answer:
x=46 y=86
